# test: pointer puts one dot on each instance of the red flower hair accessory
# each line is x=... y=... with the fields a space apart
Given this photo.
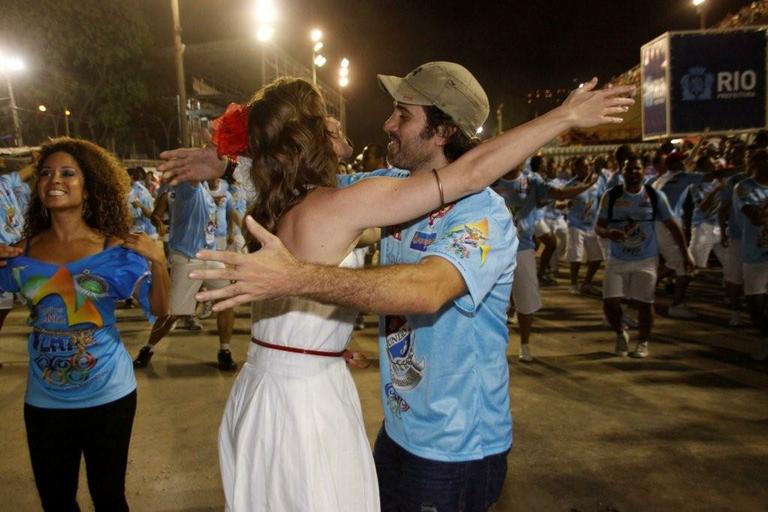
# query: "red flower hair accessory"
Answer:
x=230 y=131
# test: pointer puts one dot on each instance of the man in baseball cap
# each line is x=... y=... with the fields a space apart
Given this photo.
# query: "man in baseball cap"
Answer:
x=444 y=375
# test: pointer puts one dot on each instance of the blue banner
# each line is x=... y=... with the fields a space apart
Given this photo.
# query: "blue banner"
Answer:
x=653 y=62
x=717 y=81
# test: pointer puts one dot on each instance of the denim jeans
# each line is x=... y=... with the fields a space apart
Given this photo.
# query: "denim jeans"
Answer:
x=408 y=483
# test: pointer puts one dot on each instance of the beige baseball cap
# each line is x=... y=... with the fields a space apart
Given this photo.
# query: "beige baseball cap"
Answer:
x=445 y=85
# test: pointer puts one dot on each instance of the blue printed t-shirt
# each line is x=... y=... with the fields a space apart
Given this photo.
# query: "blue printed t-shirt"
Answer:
x=444 y=377
x=80 y=296
x=238 y=205
x=582 y=209
x=676 y=188
x=754 y=241
x=11 y=210
x=222 y=205
x=521 y=195
x=141 y=223
x=698 y=194
x=192 y=219
x=728 y=195
x=633 y=214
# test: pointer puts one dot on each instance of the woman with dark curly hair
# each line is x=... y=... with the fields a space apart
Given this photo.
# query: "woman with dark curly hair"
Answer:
x=77 y=259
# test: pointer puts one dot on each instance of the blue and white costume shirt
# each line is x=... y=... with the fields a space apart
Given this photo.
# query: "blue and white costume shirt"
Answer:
x=754 y=241
x=633 y=214
x=76 y=356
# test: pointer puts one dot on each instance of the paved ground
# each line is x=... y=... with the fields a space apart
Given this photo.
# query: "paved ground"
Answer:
x=685 y=429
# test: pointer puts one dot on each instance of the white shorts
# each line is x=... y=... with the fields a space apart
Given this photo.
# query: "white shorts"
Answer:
x=669 y=249
x=630 y=279
x=183 y=289
x=540 y=228
x=581 y=243
x=6 y=300
x=733 y=269
x=704 y=239
x=755 y=278
x=525 y=287
x=557 y=225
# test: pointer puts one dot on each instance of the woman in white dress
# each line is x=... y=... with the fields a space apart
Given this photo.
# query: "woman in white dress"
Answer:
x=292 y=437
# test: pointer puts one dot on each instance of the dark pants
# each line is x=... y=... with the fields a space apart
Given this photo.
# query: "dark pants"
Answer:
x=408 y=483
x=58 y=437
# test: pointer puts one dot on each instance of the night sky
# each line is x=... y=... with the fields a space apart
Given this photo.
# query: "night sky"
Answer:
x=510 y=46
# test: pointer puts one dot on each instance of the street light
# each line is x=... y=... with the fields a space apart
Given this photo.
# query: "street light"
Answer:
x=343 y=82
x=42 y=108
x=180 y=83
x=67 y=114
x=266 y=16
x=318 y=61
x=9 y=65
x=701 y=10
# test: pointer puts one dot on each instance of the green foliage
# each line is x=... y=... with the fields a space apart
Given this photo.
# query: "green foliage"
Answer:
x=85 y=55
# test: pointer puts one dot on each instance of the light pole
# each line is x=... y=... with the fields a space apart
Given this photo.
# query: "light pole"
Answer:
x=180 y=84
x=318 y=60
x=10 y=65
x=266 y=15
x=701 y=10
x=67 y=113
x=343 y=82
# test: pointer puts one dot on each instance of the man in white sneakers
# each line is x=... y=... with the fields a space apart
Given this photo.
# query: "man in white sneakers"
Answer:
x=627 y=216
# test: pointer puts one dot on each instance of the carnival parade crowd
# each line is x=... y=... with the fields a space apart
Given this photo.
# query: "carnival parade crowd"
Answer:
x=272 y=215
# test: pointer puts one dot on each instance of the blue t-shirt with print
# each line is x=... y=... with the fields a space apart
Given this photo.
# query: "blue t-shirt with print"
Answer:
x=633 y=214
x=76 y=357
x=754 y=240
x=728 y=195
x=222 y=205
x=445 y=377
x=582 y=209
x=521 y=196
x=141 y=223
x=11 y=209
x=698 y=194
x=192 y=219
x=675 y=186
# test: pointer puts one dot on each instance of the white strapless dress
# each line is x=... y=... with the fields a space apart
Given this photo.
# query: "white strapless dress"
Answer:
x=292 y=438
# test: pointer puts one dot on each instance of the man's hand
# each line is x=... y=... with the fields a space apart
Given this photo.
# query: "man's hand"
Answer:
x=191 y=164
x=587 y=107
x=265 y=274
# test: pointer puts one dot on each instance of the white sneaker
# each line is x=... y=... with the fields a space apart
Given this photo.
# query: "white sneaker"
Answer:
x=641 y=350
x=734 y=318
x=622 y=341
x=574 y=289
x=525 y=353
x=762 y=354
x=681 y=311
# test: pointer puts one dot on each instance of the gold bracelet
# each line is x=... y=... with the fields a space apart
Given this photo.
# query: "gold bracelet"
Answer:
x=439 y=187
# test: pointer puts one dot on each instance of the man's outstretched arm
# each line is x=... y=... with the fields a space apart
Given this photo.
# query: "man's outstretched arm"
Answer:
x=271 y=272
